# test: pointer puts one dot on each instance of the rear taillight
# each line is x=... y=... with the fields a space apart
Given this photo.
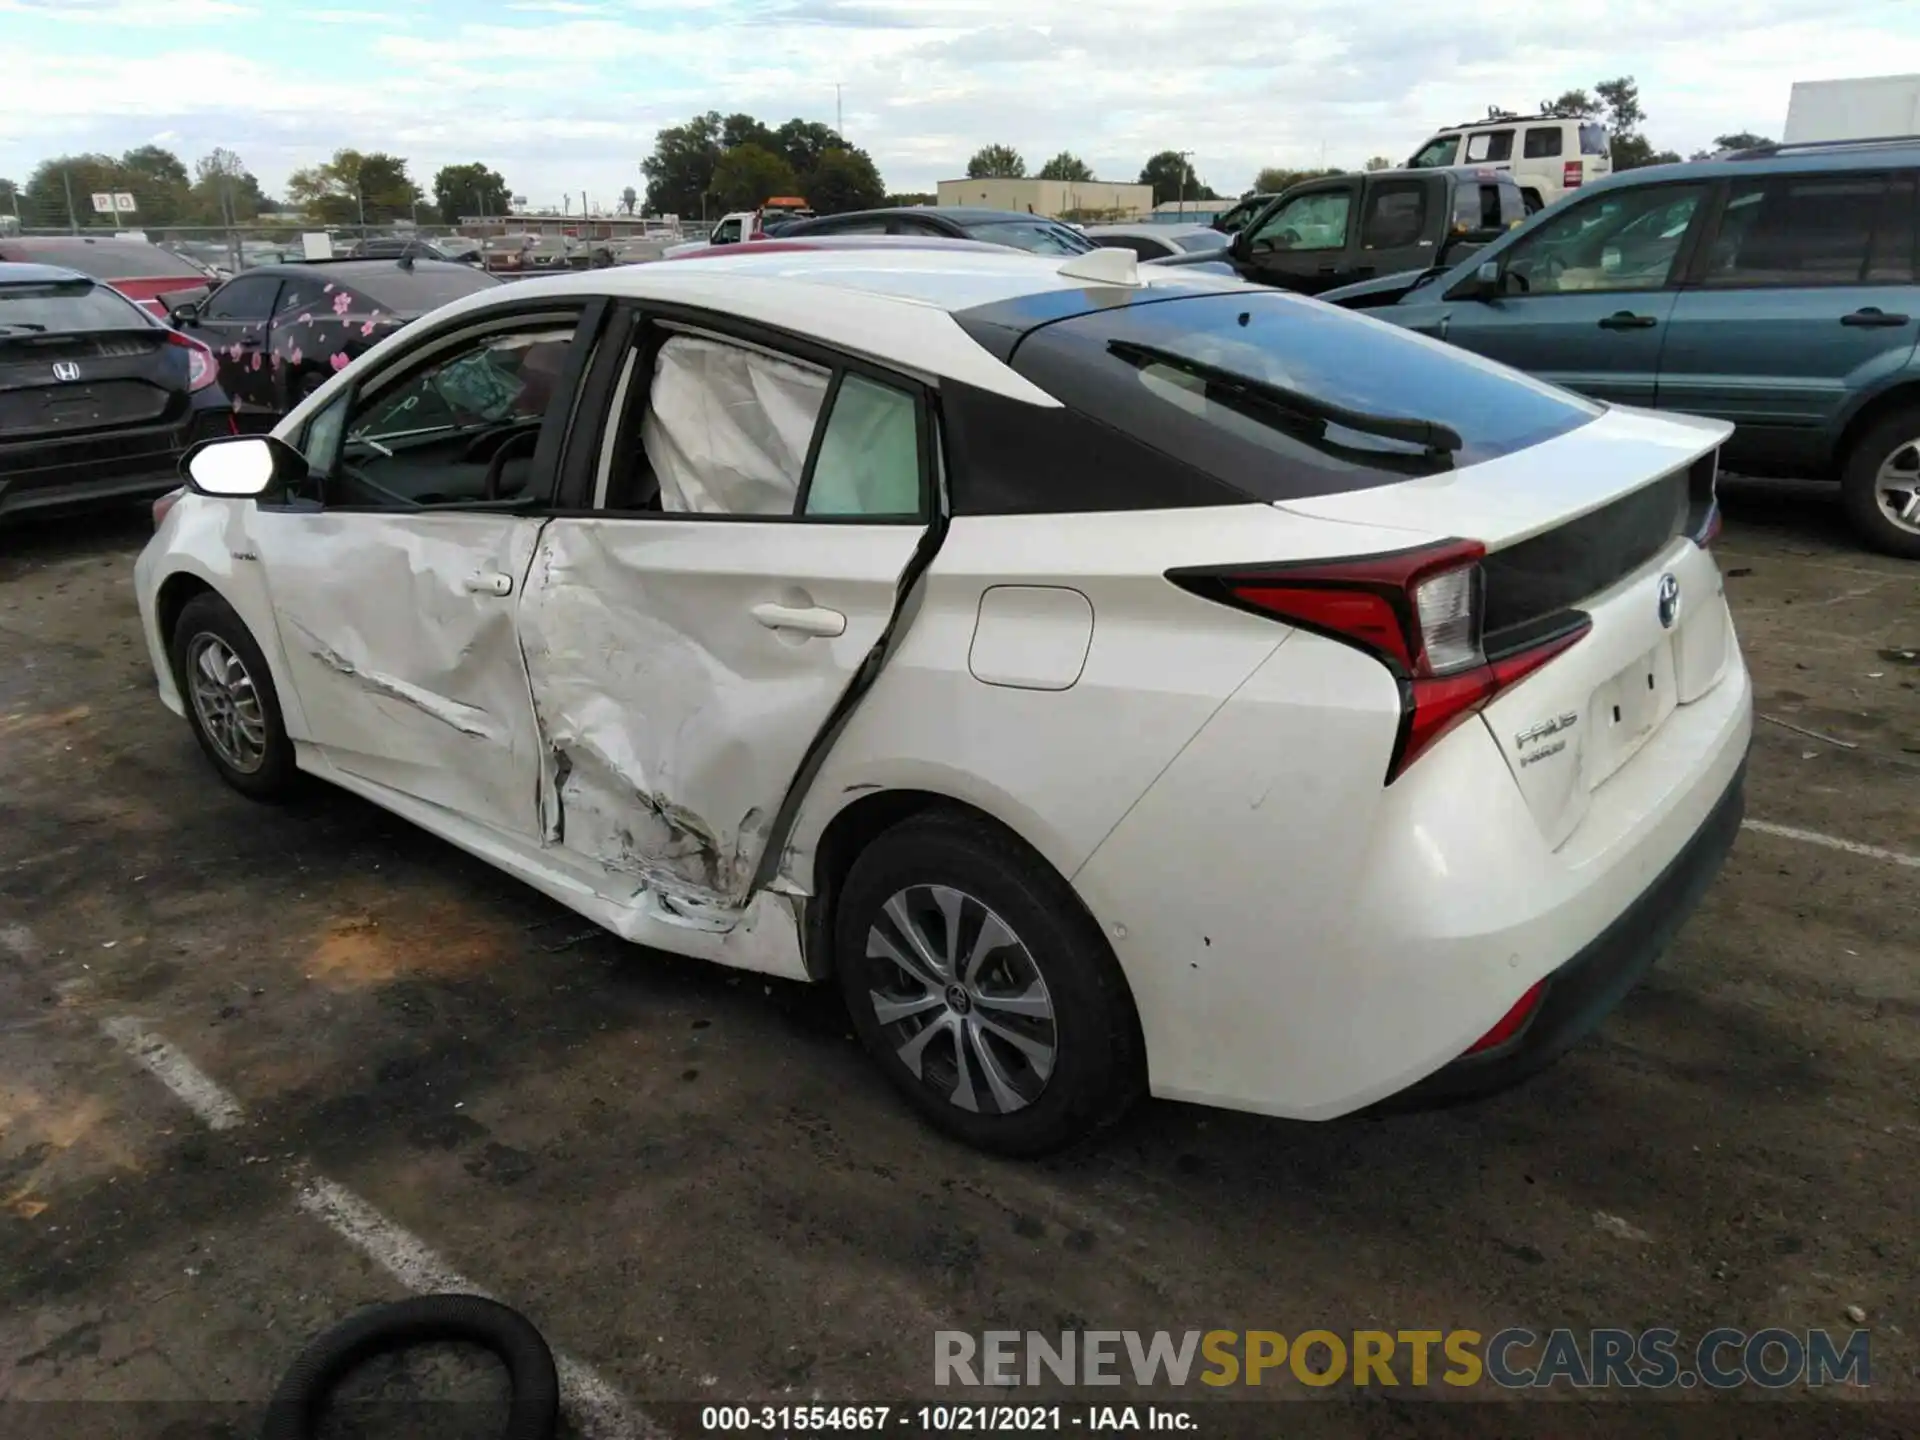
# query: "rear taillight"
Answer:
x=164 y=504
x=1570 y=175
x=201 y=371
x=1419 y=612
x=1512 y=1023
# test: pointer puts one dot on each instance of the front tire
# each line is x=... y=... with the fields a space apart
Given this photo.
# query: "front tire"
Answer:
x=1880 y=485
x=230 y=700
x=983 y=989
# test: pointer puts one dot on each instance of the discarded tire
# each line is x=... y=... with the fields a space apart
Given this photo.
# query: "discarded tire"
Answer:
x=533 y=1413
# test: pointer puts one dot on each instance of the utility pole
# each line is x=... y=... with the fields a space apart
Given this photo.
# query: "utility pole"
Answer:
x=73 y=221
x=839 y=118
x=1186 y=167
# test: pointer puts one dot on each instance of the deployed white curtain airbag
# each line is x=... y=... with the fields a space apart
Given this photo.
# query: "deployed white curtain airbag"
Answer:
x=727 y=428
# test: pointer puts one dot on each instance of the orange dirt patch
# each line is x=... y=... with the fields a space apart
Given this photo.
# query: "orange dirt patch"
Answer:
x=26 y=724
x=437 y=941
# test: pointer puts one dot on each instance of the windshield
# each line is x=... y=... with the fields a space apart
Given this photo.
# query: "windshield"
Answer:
x=1436 y=153
x=1041 y=236
x=115 y=261
x=1331 y=359
x=424 y=288
x=65 y=307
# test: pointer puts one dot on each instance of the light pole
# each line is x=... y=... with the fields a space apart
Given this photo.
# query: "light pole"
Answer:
x=1185 y=167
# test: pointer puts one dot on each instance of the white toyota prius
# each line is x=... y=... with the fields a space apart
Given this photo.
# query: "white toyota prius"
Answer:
x=1116 y=682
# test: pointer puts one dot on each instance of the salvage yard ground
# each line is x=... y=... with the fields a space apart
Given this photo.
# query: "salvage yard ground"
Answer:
x=261 y=1066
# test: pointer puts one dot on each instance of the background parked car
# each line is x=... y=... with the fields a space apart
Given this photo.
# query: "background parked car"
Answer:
x=278 y=331
x=1548 y=154
x=1012 y=229
x=1159 y=242
x=1776 y=289
x=1234 y=220
x=1330 y=232
x=153 y=278
x=97 y=398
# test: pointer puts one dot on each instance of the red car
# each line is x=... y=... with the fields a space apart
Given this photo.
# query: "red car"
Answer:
x=154 y=279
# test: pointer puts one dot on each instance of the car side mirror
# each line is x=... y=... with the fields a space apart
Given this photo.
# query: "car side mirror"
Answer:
x=188 y=314
x=238 y=466
x=1241 y=246
x=1485 y=283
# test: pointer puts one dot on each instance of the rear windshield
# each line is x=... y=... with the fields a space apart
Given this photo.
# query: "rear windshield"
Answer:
x=1593 y=140
x=1038 y=235
x=416 y=292
x=122 y=261
x=1097 y=363
x=65 y=307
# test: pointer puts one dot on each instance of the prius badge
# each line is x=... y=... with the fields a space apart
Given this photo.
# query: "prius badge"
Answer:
x=1669 y=600
x=65 y=370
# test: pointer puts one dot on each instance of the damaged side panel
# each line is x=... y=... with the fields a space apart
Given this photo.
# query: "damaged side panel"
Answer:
x=680 y=671
x=404 y=656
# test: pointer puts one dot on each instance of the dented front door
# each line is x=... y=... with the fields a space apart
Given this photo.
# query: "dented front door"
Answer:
x=398 y=630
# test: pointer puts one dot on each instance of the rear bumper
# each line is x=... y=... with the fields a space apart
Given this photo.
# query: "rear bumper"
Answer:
x=1581 y=993
x=99 y=469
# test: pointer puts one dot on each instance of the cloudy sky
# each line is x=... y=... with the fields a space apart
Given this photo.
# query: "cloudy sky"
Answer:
x=565 y=95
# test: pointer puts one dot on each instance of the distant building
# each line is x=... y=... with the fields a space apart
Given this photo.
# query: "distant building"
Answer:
x=1058 y=199
x=1190 y=212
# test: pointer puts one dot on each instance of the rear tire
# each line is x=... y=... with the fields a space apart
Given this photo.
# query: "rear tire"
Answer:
x=230 y=701
x=1034 y=1040
x=1880 y=485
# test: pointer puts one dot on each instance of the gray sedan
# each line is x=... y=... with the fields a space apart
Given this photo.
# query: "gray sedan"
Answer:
x=1158 y=242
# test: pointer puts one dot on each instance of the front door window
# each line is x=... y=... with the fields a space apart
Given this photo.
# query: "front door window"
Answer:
x=1308 y=222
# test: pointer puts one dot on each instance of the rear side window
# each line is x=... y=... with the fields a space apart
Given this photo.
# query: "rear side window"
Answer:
x=1396 y=215
x=1041 y=236
x=301 y=294
x=248 y=298
x=1489 y=145
x=1144 y=371
x=1814 y=230
x=1593 y=140
x=65 y=307
x=1543 y=142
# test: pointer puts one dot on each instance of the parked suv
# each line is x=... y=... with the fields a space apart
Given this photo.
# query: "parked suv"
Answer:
x=1333 y=231
x=1776 y=288
x=1548 y=154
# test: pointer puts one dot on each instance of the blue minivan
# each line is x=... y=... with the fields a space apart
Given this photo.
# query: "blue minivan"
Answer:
x=1775 y=288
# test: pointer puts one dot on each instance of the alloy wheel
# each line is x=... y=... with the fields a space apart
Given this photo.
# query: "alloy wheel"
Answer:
x=1896 y=489
x=962 y=1002
x=226 y=702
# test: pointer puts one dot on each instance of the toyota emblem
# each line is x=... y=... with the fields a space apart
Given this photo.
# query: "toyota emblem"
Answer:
x=65 y=370
x=1669 y=601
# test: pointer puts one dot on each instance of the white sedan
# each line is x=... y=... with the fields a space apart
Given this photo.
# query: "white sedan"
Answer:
x=1115 y=681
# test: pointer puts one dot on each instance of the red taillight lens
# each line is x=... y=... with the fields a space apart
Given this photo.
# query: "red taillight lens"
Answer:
x=1511 y=1023
x=1417 y=611
x=164 y=504
x=201 y=370
x=1570 y=175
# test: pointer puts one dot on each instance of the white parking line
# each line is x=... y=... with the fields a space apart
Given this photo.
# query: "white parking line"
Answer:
x=1831 y=842
x=192 y=1085
x=596 y=1407
x=594 y=1403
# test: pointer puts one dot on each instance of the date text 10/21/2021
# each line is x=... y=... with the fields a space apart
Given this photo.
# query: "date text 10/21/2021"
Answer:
x=947 y=1419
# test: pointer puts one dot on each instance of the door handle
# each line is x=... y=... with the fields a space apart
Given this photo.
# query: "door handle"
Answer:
x=1627 y=320
x=1329 y=267
x=803 y=620
x=489 y=582
x=1874 y=318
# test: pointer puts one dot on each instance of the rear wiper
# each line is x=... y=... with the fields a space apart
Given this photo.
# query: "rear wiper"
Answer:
x=26 y=325
x=1430 y=435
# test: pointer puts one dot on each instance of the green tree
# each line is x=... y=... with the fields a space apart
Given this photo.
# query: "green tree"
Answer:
x=1067 y=166
x=1740 y=140
x=224 y=191
x=748 y=175
x=680 y=170
x=912 y=197
x=470 y=190
x=158 y=182
x=1275 y=178
x=996 y=162
x=352 y=187
x=1172 y=178
x=60 y=191
x=629 y=198
x=1624 y=116
x=1571 y=102
x=843 y=180
x=738 y=130
x=803 y=142
x=1380 y=162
